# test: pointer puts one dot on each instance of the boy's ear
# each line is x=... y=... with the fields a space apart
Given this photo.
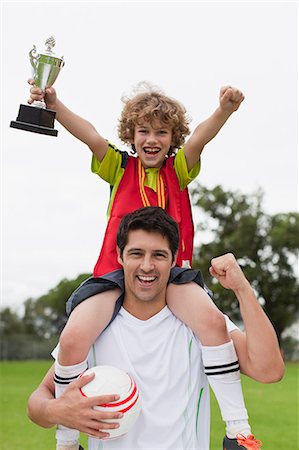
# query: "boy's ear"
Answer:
x=172 y=139
x=119 y=258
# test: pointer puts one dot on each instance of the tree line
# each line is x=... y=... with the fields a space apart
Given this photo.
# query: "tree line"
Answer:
x=266 y=246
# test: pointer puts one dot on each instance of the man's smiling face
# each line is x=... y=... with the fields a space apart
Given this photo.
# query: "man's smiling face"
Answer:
x=146 y=260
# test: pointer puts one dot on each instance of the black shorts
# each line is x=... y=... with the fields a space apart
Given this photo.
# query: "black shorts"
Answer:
x=112 y=280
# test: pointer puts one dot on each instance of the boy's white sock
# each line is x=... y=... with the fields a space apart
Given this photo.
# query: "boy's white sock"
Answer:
x=64 y=375
x=67 y=447
x=233 y=427
x=223 y=371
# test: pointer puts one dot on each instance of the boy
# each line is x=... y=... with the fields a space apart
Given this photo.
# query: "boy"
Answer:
x=155 y=126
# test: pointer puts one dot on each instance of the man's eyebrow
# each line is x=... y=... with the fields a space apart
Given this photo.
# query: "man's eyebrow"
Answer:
x=139 y=249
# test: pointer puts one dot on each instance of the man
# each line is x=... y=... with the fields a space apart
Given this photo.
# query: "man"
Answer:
x=161 y=352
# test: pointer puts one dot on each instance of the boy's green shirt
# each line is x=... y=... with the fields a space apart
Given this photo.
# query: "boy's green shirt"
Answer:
x=110 y=170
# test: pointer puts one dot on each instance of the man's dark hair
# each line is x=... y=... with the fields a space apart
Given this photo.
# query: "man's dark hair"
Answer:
x=152 y=219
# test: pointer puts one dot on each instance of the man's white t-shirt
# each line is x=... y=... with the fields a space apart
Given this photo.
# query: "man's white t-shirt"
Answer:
x=164 y=357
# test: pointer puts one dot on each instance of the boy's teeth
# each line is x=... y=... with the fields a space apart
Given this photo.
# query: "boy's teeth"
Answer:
x=151 y=150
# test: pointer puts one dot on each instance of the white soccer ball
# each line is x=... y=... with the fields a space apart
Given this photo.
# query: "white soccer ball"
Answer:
x=112 y=380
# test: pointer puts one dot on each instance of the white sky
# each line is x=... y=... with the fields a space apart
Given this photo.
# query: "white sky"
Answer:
x=53 y=207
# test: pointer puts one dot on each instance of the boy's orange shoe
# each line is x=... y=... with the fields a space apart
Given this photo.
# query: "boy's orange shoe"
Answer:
x=241 y=442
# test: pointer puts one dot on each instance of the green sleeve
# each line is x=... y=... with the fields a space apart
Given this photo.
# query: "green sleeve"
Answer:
x=180 y=166
x=109 y=169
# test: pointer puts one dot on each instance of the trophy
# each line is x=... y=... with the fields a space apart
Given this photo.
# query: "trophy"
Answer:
x=46 y=67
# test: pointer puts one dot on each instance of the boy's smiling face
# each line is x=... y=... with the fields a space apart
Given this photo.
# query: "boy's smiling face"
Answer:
x=152 y=142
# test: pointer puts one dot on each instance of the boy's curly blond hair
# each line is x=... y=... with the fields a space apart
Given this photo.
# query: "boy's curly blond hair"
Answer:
x=149 y=106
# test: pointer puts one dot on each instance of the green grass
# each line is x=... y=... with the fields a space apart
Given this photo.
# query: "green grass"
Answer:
x=273 y=410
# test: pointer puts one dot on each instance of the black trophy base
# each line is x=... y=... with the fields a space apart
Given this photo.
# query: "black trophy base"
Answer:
x=37 y=120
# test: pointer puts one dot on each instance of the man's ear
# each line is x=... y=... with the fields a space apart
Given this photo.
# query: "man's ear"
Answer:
x=174 y=260
x=119 y=258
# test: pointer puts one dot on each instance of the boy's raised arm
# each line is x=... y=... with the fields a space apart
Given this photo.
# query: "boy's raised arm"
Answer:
x=76 y=125
x=229 y=101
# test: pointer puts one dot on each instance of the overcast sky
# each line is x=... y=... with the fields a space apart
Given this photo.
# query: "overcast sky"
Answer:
x=54 y=208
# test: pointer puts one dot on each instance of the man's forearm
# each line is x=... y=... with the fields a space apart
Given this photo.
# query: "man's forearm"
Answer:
x=39 y=405
x=262 y=343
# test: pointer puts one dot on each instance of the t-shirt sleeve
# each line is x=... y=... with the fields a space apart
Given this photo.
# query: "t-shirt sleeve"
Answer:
x=180 y=166
x=55 y=352
x=110 y=166
x=230 y=325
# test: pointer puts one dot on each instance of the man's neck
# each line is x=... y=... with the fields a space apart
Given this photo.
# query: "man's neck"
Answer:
x=143 y=310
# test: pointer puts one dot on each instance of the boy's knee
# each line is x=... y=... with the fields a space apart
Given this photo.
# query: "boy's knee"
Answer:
x=68 y=340
x=217 y=320
x=72 y=348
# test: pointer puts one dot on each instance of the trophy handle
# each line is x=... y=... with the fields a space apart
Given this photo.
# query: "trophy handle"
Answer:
x=33 y=56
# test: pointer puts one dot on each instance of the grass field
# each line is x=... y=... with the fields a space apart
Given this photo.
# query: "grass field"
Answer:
x=273 y=410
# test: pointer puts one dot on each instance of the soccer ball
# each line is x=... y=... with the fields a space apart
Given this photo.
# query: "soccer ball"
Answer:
x=112 y=380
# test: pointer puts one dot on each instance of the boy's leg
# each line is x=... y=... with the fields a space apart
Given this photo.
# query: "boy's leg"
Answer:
x=191 y=304
x=85 y=324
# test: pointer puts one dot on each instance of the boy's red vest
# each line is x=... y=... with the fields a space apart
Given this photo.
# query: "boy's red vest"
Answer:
x=131 y=195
